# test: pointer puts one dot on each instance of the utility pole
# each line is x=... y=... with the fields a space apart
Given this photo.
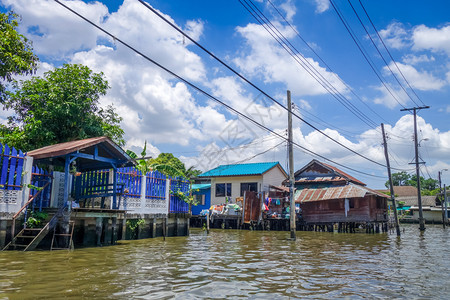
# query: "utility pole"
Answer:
x=445 y=202
x=291 y=168
x=416 y=146
x=394 y=205
x=440 y=198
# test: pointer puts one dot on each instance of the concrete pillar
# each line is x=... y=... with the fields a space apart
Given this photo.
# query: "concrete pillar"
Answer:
x=3 y=226
x=114 y=230
x=154 y=227
x=99 y=229
x=143 y=190
x=124 y=227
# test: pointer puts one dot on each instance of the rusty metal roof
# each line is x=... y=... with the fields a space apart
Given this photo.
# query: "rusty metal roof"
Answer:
x=336 y=192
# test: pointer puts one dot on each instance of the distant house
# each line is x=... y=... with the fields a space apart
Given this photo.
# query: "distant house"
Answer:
x=229 y=182
x=329 y=195
x=202 y=193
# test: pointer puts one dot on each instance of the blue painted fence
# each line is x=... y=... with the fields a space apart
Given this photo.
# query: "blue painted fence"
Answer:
x=39 y=178
x=177 y=205
x=130 y=181
x=11 y=165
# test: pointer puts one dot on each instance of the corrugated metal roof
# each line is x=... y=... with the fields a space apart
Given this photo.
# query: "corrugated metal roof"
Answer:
x=201 y=186
x=336 y=192
x=55 y=154
x=240 y=169
x=414 y=201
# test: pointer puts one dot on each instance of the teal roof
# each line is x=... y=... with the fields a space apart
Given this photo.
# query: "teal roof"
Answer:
x=240 y=169
x=201 y=186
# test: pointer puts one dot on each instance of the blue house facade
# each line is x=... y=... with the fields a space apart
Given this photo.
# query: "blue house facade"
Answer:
x=203 y=194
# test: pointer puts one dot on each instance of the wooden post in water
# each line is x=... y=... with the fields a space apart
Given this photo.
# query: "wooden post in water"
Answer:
x=207 y=222
x=397 y=225
x=291 y=168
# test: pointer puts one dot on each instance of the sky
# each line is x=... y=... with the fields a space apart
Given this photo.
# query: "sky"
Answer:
x=343 y=88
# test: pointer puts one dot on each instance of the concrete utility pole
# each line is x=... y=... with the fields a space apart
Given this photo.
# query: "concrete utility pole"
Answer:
x=416 y=146
x=291 y=168
x=441 y=198
x=394 y=205
x=445 y=202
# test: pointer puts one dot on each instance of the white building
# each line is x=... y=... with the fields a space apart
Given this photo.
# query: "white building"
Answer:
x=230 y=181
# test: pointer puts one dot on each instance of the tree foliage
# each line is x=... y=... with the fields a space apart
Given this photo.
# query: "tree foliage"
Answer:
x=428 y=186
x=61 y=106
x=16 y=52
x=165 y=163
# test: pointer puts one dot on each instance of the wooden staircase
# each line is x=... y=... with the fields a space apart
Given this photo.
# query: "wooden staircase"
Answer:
x=29 y=238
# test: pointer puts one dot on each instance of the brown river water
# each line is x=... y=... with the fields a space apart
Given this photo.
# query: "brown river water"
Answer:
x=239 y=264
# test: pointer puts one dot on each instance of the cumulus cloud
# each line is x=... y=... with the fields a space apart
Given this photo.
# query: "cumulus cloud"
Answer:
x=421 y=80
x=266 y=59
x=390 y=99
x=322 y=5
x=435 y=39
x=395 y=36
x=289 y=9
x=412 y=59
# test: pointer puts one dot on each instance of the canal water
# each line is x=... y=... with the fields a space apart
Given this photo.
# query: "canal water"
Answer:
x=239 y=264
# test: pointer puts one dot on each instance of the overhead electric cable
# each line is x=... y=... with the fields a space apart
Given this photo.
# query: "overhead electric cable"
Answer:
x=387 y=50
x=325 y=64
x=303 y=62
x=211 y=96
x=341 y=17
x=381 y=55
x=252 y=84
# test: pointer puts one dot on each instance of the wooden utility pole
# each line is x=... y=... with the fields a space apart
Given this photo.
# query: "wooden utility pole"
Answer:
x=291 y=168
x=416 y=146
x=394 y=205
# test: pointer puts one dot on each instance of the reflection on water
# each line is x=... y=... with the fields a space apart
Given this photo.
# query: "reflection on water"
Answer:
x=239 y=264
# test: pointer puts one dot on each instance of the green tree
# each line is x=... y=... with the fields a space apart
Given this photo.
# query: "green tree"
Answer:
x=16 y=52
x=398 y=179
x=61 y=106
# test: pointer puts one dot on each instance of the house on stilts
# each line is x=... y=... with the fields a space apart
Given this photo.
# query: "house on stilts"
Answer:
x=84 y=193
x=330 y=197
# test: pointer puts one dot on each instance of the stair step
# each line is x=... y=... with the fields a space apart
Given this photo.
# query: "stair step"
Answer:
x=60 y=248
x=26 y=236
x=19 y=245
x=34 y=229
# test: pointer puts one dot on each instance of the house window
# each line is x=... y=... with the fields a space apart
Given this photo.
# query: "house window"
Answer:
x=200 y=199
x=249 y=186
x=223 y=189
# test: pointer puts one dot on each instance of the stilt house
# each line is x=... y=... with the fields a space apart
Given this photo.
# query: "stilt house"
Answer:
x=328 y=195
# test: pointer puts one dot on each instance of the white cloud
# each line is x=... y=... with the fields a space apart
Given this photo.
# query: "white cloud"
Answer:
x=54 y=30
x=274 y=64
x=322 y=5
x=395 y=36
x=289 y=9
x=435 y=39
x=412 y=59
x=398 y=97
x=423 y=80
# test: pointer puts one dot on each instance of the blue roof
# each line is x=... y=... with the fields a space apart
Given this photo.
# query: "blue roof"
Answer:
x=240 y=169
x=201 y=186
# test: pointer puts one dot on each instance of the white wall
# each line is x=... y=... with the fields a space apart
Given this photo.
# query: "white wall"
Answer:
x=273 y=177
x=235 y=186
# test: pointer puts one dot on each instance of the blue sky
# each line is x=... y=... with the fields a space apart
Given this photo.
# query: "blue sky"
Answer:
x=173 y=117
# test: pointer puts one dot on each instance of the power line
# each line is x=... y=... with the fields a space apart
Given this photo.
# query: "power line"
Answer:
x=209 y=95
x=252 y=84
x=303 y=62
x=387 y=50
x=366 y=57
x=326 y=65
x=379 y=52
